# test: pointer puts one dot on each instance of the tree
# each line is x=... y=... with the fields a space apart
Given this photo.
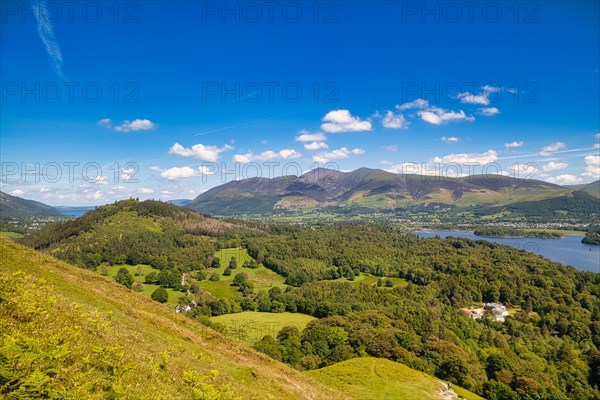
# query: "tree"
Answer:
x=161 y=295
x=239 y=279
x=124 y=278
x=151 y=278
x=227 y=271
x=215 y=263
x=214 y=277
x=250 y=264
x=270 y=346
x=139 y=271
x=195 y=288
x=233 y=263
x=104 y=270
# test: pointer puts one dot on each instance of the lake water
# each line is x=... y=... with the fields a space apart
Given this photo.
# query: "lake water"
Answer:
x=76 y=211
x=568 y=251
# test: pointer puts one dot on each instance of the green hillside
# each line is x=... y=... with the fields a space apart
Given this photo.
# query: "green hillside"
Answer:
x=380 y=379
x=16 y=207
x=592 y=188
x=69 y=333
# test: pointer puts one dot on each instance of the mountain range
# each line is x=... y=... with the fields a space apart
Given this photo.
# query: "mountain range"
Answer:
x=377 y=190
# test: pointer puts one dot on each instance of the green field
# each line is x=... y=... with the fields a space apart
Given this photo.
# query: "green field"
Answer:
x=10 y=235
x=263 y=278
x=249 y=326
x=382 y=379
x=148 y=288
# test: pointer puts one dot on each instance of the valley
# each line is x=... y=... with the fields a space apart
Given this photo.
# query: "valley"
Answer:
x=324 y=297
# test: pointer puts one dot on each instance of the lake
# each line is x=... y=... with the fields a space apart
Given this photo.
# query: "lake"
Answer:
x=568 y=251
x=74 y=211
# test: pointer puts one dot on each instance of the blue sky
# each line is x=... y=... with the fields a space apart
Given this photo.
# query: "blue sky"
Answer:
x=157 y=99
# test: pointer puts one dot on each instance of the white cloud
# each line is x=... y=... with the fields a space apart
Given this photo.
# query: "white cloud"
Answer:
x=100 y=180
x=306 y=136
x=524 y=170
x=128 y=173
x=156 y=168
x=316 y=146
x=552 y=166
x=344 y=152
x=468 y=158
x=482 y=98
x=394 y=121
x=178 y=173
x=565 y=179
x=513 y=144
x=186 y=172
x=199 y=151
x=266 y=156
x=391 y=147
x=95 y=195
x=146 y=190
x=597 y=145
x=46 y=32
x=592 y=167
x=491 y=89
x=105 y=122
x=44 y=190
x=410 y=168
x=471 y=98
x=17 y=192
x=418 y=103
x=342 y=121
x=204 y=170
x=439 y=116
x=136 y=125
x=551 y=148
x=450 y=139
x=489 y=111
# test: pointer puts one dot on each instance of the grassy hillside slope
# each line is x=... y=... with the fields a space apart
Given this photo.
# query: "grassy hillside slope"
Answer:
x=379 y=378
x=16 y=207
x=69 y=333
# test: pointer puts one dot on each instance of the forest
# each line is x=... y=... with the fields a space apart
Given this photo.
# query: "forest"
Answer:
x=547 y=349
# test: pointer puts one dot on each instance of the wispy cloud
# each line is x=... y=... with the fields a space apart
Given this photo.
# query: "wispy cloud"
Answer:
x=46 y=31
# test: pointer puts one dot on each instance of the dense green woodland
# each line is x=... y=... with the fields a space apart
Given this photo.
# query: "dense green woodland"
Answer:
x=592 y=235
x=504 y=231
x=549 y=348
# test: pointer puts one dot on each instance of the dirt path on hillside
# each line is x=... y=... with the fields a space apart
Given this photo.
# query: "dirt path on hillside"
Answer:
x=446 y=394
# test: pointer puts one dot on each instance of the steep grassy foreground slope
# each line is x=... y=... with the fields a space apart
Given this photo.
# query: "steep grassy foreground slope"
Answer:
x=69 y=333
x=378 y=378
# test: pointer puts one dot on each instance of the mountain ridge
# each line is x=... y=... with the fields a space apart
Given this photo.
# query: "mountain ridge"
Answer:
x=17 y=207
x=374 y=189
